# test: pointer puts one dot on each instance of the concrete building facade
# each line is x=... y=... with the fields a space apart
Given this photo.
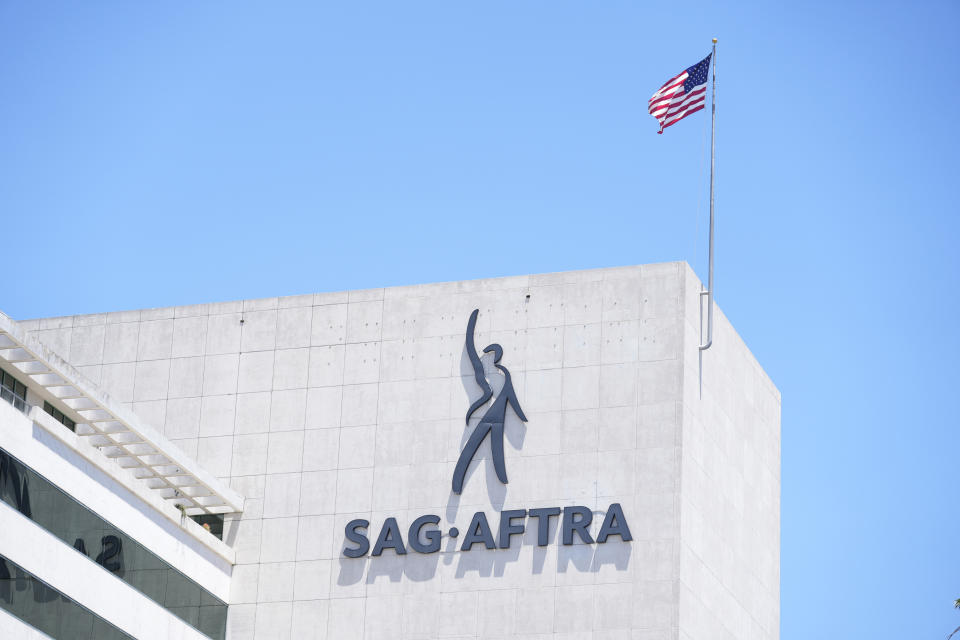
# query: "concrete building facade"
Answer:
x=317 y=422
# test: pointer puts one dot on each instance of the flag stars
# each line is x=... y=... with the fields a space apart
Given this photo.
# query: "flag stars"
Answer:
x=670 y=105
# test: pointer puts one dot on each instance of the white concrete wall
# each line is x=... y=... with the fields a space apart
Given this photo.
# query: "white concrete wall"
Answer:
x=328 y=407
x=730 y=513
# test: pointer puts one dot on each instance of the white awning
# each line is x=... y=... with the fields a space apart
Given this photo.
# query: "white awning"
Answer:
x=113 y=429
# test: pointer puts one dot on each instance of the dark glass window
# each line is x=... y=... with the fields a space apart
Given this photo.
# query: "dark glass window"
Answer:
x=44 y=608
x=40 y=500
x=212 y=523
x=59 y=417
x=13 y=391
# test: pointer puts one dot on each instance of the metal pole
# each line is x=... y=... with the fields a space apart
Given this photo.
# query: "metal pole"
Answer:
x=713 y=148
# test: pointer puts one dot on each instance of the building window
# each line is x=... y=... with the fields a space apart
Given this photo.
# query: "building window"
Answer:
x=59 y=417
x=44 y=608
x=74 y=524
x=13 y=391
x=212 y=523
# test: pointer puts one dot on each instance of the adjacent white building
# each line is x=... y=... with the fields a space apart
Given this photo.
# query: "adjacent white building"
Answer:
x=284 y=468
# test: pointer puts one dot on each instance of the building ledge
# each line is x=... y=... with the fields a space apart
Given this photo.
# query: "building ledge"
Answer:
x=114 y=433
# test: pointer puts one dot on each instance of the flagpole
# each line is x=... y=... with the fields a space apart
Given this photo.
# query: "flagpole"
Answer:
x=713 y=148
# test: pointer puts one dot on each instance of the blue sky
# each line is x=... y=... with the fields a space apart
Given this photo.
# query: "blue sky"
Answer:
x=156 y=154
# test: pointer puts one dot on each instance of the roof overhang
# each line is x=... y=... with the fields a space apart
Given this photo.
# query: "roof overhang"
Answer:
x=116 y=431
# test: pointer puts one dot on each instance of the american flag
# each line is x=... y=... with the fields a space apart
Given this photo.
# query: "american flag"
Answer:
x=681 y=95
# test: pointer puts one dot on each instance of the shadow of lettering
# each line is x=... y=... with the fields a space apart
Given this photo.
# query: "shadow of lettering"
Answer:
x=389 y=565
x=579 y=555
x=351 y=571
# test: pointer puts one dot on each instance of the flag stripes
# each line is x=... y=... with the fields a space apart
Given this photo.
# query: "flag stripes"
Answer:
x=680 y=96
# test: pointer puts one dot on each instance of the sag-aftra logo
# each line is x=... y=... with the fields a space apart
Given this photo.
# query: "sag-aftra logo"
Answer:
x=424 y=533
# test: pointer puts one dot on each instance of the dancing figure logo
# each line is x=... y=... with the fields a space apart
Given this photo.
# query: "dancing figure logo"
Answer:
x=493 y=419
x=426 y=532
